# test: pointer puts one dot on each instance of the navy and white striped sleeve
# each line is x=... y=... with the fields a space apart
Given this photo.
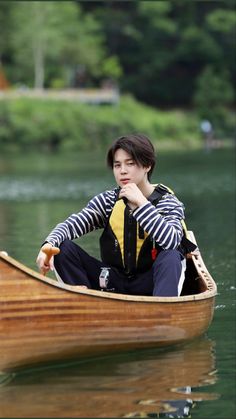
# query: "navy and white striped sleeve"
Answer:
x=90 y=218
x=163 y=222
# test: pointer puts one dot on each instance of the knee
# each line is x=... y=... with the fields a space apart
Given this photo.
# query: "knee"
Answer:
x=171 y=256
x=65 y=246
x=166 y=273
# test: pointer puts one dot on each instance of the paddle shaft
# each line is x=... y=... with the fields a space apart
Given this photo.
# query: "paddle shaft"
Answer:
x=50 y=251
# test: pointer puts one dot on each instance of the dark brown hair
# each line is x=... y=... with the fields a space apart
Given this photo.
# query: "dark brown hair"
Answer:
x=138 y=146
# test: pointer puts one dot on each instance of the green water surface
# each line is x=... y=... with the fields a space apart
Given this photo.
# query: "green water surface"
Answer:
x=38 y=191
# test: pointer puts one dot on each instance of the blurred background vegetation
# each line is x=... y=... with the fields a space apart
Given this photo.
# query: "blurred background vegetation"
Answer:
x=172 y=63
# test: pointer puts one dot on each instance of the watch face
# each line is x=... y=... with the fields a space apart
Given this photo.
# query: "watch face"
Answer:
x=103 y=278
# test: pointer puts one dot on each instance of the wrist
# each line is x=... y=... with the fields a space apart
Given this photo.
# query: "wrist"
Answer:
x=141 y=202
x=137 y=204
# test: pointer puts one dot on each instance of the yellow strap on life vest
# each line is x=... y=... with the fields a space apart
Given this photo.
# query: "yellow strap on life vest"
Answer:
x=116 y=222
x=117 y=225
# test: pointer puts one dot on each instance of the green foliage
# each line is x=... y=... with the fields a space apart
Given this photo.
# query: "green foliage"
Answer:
x=201 y=42
x=222 y=21
x=158 y=14
x=214 y=94
x=5 y=18
x=37 y=124
x=163 y=46
x=47 y=35
x=111 y=68
x=156 y=50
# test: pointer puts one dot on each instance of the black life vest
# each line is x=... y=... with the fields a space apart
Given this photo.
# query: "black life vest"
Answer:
x=125 y=245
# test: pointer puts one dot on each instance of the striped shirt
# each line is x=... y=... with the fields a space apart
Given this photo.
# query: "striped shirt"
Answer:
x=161 y=222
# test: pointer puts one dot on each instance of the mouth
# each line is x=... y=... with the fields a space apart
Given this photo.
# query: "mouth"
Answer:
x=124 y=181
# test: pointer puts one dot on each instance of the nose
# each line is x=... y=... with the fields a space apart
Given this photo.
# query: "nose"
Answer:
x=123 y=168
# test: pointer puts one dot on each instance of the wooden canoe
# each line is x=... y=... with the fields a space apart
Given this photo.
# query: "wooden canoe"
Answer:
x=42 y=320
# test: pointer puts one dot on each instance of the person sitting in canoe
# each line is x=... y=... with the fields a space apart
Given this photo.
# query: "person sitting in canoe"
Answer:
x=141 y=244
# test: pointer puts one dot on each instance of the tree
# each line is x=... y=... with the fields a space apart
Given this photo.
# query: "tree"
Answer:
x=221 y=23
x=156 y=49
x=6 y=25
x=214 y=94
x=163 y=46
x=56 y=34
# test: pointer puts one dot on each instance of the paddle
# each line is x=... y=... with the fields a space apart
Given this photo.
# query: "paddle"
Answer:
x=50 y=251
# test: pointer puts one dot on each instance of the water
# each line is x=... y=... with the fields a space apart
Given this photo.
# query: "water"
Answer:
x=36 y=192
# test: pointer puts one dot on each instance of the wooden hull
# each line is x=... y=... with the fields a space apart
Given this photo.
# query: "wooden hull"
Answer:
x=42 y=320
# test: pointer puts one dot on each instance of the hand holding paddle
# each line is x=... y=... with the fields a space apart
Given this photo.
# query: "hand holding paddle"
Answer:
x=45 y=257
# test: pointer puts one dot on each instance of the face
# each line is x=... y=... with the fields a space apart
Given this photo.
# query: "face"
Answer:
x=126 y=170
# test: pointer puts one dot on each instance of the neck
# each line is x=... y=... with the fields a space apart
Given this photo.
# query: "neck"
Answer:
x=146 y=188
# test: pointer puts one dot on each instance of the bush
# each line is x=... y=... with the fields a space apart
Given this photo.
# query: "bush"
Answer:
x=52 y=125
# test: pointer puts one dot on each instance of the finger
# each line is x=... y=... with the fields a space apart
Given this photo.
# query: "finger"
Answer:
x=51 y=264
x=44 y=269
x=40 y=262
x=122 y=193
x=40 y=258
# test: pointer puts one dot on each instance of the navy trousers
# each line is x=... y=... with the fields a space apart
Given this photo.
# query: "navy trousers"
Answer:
x=74 y=266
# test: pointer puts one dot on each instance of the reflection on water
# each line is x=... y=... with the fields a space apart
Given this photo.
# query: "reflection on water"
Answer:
x=140 y=384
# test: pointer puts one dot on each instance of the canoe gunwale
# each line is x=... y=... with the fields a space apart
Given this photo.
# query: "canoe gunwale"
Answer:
x=210 y=286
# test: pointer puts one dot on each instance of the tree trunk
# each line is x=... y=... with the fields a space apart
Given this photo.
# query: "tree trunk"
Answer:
x=38 y=66
x=38 y=46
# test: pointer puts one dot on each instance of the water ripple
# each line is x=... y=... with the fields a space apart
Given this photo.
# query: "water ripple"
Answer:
x=59 y=187
x=27 y=189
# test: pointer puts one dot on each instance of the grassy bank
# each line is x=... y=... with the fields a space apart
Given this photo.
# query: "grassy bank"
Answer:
x=28 y=124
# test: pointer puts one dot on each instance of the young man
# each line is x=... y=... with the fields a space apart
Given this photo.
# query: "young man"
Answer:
x=140 y=245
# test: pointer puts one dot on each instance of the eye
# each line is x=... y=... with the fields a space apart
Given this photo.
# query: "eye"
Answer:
x=131 y=163
x=116 y=165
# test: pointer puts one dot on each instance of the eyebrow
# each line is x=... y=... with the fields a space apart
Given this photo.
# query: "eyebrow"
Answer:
x=126 y=160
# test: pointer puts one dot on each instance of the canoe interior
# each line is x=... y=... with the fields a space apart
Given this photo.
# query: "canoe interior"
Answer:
x=193 y=283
